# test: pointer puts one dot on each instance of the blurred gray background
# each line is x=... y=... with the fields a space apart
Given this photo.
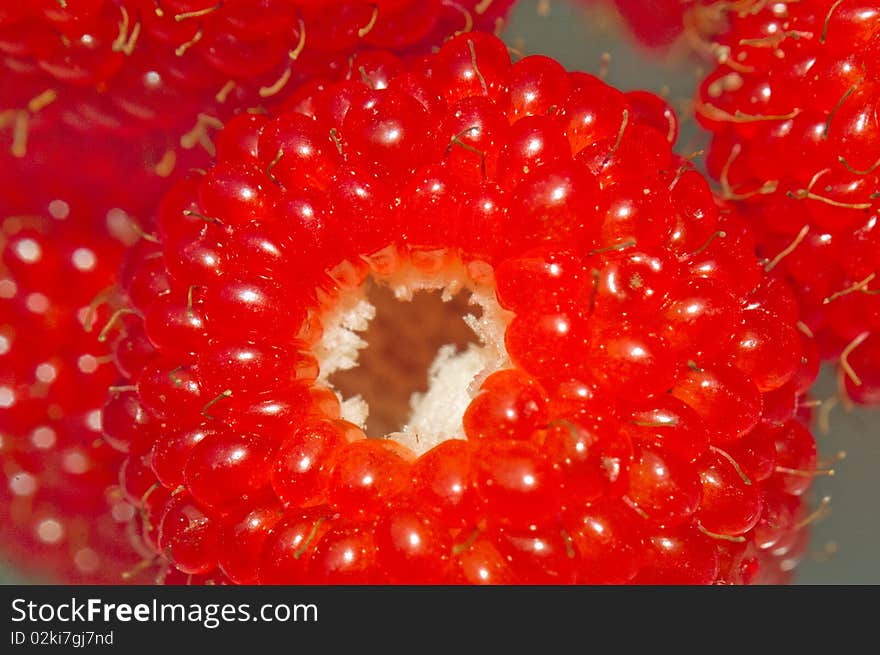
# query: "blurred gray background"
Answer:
x=846 y=542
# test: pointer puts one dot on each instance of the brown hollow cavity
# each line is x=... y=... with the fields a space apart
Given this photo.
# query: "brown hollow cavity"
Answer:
x=403 y=340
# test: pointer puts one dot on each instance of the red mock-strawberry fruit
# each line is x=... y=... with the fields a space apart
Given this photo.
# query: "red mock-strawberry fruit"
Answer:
x=607 y=424
x=792 y=108
x=149 y=82
x=63 y=516
x=661 y=25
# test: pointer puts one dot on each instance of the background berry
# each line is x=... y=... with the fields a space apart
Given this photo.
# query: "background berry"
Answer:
x=800 y=160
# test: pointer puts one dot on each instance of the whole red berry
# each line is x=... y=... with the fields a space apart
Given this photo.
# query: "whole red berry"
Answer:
x=593 y=431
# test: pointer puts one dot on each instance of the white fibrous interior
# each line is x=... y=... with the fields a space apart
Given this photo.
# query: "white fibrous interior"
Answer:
x=454 y=377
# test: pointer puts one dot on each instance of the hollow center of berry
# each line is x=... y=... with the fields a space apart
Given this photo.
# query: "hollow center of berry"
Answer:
x=407 y=352
x=403 y=341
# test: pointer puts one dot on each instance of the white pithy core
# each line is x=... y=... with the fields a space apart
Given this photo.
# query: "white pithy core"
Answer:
x=454 y=377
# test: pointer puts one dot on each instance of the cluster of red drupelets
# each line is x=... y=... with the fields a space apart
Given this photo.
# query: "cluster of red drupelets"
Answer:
x=105 y=104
